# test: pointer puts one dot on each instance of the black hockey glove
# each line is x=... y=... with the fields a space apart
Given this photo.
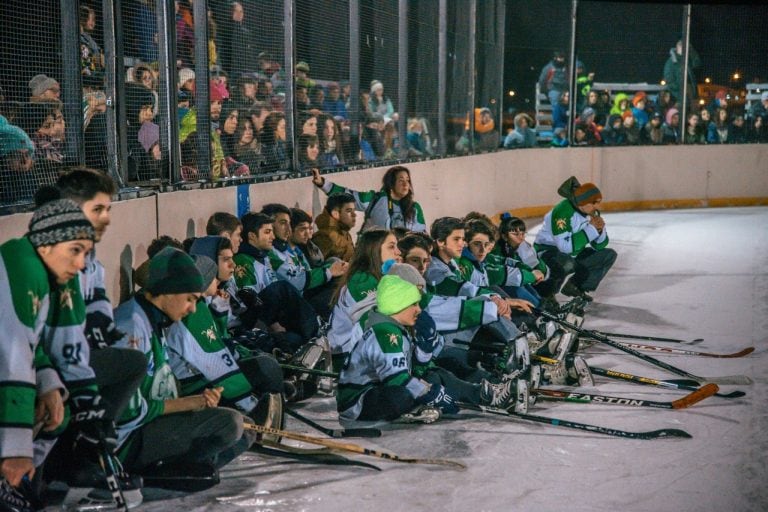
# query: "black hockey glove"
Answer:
x=100 y=330
x=437 y=396
x=91 y=422
x=426 y=337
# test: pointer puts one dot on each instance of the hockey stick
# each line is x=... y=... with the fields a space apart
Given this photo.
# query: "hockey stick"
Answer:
x=730 y=379
x=649 y=338
x=108 y=465
x=353 y=448
x=656 y=382
x=335 y=432
x=556 y=422
x=589 y=398
x=667 y=350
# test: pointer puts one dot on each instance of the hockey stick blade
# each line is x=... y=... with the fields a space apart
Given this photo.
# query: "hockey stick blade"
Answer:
x=310 y=456
x=589 y=398
x=667 y=350
x=353 y=448
x=728 y=379
x=651 y=338
x=683 y=384
x=557 y=422
x=335 y=432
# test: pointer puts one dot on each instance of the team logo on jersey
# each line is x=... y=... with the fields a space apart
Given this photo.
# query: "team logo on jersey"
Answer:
x=210 y=334
x=133 y=342
x=561 y=223
x=394 y=339
x=240 y=271
x=36 y=303
x=65 y=300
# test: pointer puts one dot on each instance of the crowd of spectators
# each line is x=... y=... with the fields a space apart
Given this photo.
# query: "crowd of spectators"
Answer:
x=247 y=110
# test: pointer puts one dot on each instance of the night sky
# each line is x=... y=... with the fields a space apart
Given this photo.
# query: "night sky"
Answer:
x=630 y=42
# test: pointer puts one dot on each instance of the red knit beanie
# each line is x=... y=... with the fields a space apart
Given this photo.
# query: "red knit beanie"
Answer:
x=586 y=194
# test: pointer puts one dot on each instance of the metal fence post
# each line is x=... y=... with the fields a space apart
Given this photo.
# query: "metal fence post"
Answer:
x=686 y=48
x=471 y=69
x=354 y=68
x=572 y=72
x=501 y=14
x=71 y=82
x=202 y=90
x=169 y=130
x=402 y=79
x=114 y=81
x=291 y=133
x=442 y=71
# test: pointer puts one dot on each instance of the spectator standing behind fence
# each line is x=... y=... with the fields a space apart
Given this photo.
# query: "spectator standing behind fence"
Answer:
x=718 y=129
x=613 y=133
x=237 y=49
x=486 y=136
x=248 y=148
x=378 y=103
x=333 y=105
x=693 y=133
x=17 y=155
x=632 y=132
x=671 y=129
x=555 y=77
x=44 y=88
x=185 y=34
x=596 y=103
x=91 y=56
x=756 y=130
x=141 y=31
x=653 y=133
x=674 y=71
x=522 y=136
x=331 y=146
x=277 y=151
x=560 y=111
x=759 y=108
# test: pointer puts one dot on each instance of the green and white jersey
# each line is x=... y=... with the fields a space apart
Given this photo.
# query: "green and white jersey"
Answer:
x=200 y=359
x=569 y=230
x=523 y=258
x=380 y=210
x=290 y=264
x=145 y=329
x=93 y=288
x=253 y=269
x=381 y=358
x=485 y=275
x=350 y=312
x=458 y=313
x=25 y=369
x=447 y=279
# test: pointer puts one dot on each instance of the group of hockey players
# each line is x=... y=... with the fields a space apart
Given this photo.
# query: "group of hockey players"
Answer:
x=223 y=329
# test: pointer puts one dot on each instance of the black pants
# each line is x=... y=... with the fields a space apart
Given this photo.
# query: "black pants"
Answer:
x=263 y=372
x=284 y=304
x=588 y=269
x=186 y=437
x=391 y=402
x=119 y=373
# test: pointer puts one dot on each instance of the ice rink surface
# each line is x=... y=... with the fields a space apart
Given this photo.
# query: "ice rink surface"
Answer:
x=680 y=273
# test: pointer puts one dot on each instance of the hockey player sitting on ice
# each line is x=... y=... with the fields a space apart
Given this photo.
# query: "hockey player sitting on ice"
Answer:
x=118 y=371
x=275 y=302
x=573 y=240
x=289 y=264
x=388 y=373
x=162 y=437
x=44 y=359
x=513 y=250
x=356 y=292
x=201 y=353
x=461 y=318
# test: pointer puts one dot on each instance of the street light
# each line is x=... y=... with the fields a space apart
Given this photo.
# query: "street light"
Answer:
x=511 y=93
x=707 y=80
x=736 y=76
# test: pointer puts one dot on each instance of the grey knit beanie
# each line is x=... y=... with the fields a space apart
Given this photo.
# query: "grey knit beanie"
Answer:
x=59 y=221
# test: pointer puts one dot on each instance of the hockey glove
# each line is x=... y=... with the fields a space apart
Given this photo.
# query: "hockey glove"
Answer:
x=93 y=425
x=426 y=338
x=100 y=330
x=438 y=397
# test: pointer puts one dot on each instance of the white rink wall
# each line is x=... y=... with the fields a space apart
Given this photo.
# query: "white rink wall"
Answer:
x=523 y=181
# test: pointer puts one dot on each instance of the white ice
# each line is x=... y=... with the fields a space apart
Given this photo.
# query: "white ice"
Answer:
x=681 y=273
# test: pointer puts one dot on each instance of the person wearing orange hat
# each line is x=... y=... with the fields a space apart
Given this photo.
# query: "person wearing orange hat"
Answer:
x=573 y=240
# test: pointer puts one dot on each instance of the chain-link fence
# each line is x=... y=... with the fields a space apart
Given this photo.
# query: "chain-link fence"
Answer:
x=165 y=94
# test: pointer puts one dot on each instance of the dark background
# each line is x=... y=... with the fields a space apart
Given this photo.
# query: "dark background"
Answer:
x=630 y=42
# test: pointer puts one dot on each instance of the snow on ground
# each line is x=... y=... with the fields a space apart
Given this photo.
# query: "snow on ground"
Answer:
x=682 y=273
